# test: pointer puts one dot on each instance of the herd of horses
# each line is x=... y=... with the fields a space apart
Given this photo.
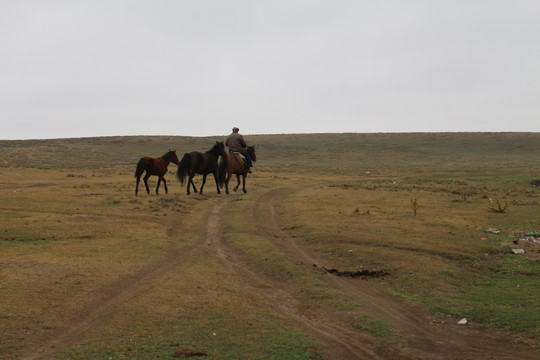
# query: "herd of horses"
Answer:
x=215 y=161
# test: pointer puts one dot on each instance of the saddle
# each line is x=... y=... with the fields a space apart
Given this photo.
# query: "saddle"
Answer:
x=241 y=156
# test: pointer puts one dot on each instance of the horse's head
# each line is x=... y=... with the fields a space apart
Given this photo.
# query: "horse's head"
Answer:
x=251 y=152
x=173 y=157
x=220 y=148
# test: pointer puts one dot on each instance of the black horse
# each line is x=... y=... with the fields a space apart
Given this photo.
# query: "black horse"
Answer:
x=198 y=163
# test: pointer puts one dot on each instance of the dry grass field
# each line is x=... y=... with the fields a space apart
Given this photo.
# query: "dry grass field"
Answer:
x=346 y=246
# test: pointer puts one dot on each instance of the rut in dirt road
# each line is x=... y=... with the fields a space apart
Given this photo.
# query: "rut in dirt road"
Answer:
x=341 y=341
x=105 y=303
x=425 y=335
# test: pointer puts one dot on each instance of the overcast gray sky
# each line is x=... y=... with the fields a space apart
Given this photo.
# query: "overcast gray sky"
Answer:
x=197 y=68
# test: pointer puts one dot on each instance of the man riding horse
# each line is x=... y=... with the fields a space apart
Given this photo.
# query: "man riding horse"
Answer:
x=235 y=143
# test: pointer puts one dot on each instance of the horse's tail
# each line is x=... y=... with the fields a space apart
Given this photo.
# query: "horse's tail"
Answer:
x=183 y=168
x=222 y=170
x=140 y=168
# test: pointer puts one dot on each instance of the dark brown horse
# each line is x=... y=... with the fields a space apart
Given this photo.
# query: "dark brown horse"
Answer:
x=198 y=163
x=155 y=166
x=233 y=164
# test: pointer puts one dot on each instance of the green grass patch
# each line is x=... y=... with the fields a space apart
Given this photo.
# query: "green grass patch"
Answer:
x=221 y=334
x=259 y=251
x=331 y=297
x=505 y=296
x=377 y=328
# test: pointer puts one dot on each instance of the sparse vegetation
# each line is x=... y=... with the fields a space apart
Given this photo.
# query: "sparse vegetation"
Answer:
x=378 y=328
x=72 y=233
x=414 y=205
x=498 y=208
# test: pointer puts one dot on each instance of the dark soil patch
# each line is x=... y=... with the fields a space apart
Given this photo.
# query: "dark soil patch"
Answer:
x=183 y=353
x=356 y=274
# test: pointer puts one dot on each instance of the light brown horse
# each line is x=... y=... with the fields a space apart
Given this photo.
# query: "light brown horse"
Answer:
x=233 y=164
x=155 y=166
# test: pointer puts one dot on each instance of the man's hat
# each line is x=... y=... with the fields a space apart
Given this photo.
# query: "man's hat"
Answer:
x=235 y=128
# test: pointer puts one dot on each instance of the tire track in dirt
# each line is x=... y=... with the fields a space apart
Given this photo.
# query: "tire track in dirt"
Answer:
x=108 y=298
x=425 y=335
x=341 y=341
x=333 y=328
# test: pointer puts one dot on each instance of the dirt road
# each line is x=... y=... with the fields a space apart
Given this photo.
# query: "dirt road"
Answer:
x=424 y=335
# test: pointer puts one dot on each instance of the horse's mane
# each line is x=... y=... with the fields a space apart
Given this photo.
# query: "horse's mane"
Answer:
x=214 y=148
x=167 y=156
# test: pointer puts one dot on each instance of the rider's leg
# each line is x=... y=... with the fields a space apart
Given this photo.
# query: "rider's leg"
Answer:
x=249 y=163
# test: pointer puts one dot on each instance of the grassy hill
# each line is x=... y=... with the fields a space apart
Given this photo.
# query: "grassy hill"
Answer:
x=459 y=151
x=90 y=271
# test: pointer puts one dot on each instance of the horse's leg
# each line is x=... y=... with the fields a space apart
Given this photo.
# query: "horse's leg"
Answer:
x=244 y=183
x=137 y=185
x=189 y=181
x=192 y=175
x=146 y=182
x=165 y=184
x=158 y=183
x=216 y=180
x=237 y=182
x=227 y=183
x=202 y=185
